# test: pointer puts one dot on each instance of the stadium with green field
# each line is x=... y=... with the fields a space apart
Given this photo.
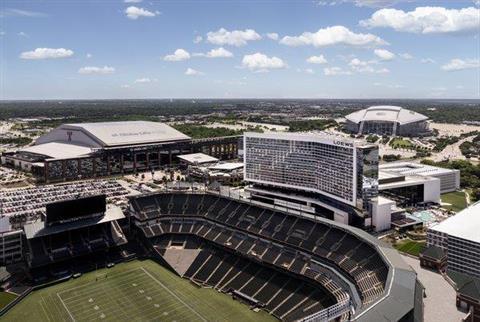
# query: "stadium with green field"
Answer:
x=131 y=291
x=206 y=257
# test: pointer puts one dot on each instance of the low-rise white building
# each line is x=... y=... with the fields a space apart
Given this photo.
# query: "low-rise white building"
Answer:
x=449 y=178
x=459 y=237
x=409 y=189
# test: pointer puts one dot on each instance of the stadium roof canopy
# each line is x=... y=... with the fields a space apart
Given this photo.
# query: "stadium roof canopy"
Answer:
x=227 y=166
x=463 y=225
x=40 y=229
x=57 y=150
x=411 y=168
x=113 y=134
x=197 y=158
x=130 y=132
x=386 y=113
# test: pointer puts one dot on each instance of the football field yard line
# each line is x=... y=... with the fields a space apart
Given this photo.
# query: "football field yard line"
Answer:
x=74 y=300
x=65 y=307
x=43 y=308
x=173 y=294
x=106 y=303
x=131 y=292
x=93 y=282
x=88 y=291
x=113 y=306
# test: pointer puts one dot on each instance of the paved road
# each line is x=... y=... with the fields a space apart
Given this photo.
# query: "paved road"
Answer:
x=452 y=152
x=439 y=305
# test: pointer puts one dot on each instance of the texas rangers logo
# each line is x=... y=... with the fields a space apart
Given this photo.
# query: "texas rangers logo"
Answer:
x=69 y=134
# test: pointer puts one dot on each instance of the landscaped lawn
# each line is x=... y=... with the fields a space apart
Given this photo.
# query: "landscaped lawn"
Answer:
x=457 y=200
x=410 y=246
x=401 y=143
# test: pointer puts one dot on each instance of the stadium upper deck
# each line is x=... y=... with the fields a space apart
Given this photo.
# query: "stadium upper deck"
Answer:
x=380 y=286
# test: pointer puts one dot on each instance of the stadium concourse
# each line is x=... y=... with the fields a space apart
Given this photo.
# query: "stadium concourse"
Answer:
x=295 y=268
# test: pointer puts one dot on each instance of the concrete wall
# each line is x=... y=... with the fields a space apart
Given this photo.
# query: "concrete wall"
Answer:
x=382 y=213
x=432 y=190
x=341 y=218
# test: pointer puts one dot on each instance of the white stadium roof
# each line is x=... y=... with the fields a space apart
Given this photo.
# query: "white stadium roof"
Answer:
x=227 y=166
x=386 y=113
x=411 y=168
x=465 y=224
x=198 y=158
x=57 y=150
x=128 y=132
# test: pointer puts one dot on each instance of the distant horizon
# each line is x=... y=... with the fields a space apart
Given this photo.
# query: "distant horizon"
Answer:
x=238 y=99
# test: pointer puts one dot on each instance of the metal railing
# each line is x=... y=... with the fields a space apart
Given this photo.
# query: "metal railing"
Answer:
x=330 y=313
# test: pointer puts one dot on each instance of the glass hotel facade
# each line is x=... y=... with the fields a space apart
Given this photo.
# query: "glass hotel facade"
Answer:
x=342 y=169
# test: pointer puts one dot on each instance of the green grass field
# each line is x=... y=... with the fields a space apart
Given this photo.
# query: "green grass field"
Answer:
x=401 y=143
x=410 y=247
x=134 y=291
x=6 y=298
x=457 y=200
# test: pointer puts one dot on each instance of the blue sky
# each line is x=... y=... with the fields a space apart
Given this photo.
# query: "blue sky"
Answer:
x=239 y=49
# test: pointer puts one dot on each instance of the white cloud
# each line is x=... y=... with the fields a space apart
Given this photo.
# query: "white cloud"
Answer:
x=334 y=71
x=179 y=55
x=382 y=71
x=361 y=66
x=335 y=35
x=393 y=86
x=134 y=13
x=377 y=3
x=219 y=53
x=317 y=60
x=96 y=70
x=233 y=38
x=2 y=33
x=21 y=13
x=125 y=86
x=272 y=35
x=132 y=1
x=406 y=56
x=460 y=64
x=142 y=80
x=309 y=71
x=88 y=55
x=426 y=20
x=197 y=39
x=192 y=72
x=362 y=3
x=22 y=34
x=259 y=62
x=47 y=53
x=427 y=61
x=384 y=54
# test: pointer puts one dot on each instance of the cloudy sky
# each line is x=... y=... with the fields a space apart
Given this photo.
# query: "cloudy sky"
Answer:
x=239 y=49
